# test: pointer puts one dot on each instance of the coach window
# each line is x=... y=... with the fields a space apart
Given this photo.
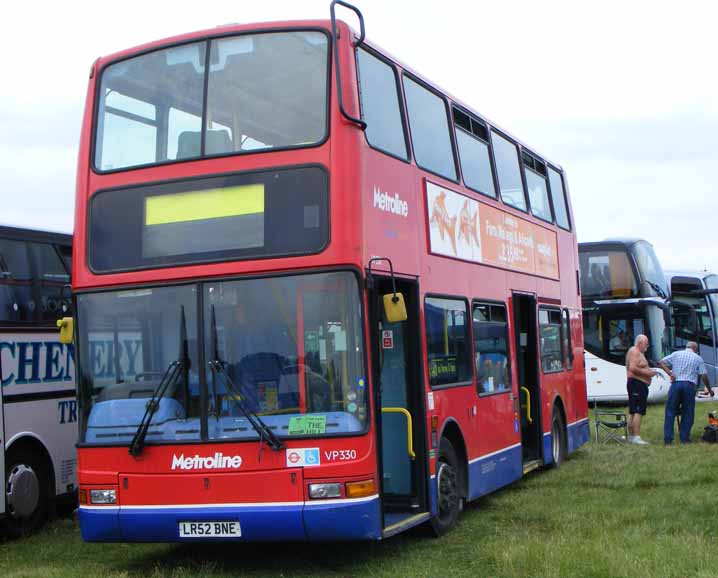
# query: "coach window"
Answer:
x=550 y=334
x=491 y=352
x=507 y=168
x=558 y=198
x=447 y=341
x=566 y=341
x=429 y=130
x=16 y=299
x=380 y=105
x=472 y=138
x=50 y=276
x=535 y=172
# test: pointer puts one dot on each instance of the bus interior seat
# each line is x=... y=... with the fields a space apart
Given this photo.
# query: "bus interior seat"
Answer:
x=189 y=143
x=265 y=368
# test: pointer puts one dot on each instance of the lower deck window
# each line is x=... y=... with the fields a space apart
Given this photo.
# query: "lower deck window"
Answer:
x=447 y=341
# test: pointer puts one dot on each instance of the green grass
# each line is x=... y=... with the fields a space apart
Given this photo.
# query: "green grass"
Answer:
x=610 y=511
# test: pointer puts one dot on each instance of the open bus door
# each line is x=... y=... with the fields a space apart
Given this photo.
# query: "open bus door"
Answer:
x=399 y=400
x=527 y=358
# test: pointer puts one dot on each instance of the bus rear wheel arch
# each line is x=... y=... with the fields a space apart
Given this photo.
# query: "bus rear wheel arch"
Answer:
x=27 y=491
x=448 y=488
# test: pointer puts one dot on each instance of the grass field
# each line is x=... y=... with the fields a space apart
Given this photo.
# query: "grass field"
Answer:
x=608 y=512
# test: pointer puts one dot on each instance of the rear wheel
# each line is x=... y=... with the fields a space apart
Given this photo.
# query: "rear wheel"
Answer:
x=26 y=492
x=558 y=439
x=447 y=489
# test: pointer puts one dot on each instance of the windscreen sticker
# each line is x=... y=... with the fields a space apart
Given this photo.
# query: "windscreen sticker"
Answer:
x=308 y=425
x=300 y=457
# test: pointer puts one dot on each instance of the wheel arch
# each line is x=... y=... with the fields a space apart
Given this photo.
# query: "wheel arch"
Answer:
x=452 y=432
x=29 y=442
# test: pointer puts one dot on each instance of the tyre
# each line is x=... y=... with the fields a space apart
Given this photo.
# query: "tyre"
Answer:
x=558 y=439
x=26 y=492
x=447 y=489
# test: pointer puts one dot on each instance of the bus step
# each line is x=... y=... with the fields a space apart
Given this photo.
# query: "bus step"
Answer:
x=531 y=466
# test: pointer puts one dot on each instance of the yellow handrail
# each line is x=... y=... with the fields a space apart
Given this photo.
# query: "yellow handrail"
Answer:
x=528 y=404
x=409 y=427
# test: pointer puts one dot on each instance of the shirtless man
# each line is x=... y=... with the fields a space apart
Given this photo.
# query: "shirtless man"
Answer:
x=639 y=377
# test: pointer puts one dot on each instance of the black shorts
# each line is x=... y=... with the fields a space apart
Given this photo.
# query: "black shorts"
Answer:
x=637 y=396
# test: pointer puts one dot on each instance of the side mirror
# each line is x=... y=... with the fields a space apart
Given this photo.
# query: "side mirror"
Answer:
x=67 y=329
x=394 y=307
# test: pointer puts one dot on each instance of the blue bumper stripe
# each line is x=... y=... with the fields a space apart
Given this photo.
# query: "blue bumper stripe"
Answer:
x=296 y=522
x=494 y=471
x=578 y=434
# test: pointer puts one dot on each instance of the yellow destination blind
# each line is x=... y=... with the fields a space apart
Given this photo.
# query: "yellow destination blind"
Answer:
x=204 y=205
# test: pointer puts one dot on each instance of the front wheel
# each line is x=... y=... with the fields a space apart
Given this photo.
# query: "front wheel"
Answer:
x=558 y=439
x=447 y=489
x=26 y=493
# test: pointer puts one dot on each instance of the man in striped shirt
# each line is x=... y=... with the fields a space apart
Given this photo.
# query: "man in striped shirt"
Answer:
x=684 y=368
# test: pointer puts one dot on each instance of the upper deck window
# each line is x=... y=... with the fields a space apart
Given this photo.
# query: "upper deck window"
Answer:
x=263 y=91
x=653 y=281
x=472 y=138
x=380 y=105
x=607 y=273
x=429 y=130
x=535 y=172
x=558 y=197
x=507 y=167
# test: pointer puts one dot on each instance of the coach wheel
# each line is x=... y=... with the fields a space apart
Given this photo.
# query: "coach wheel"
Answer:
x=558 y=439
x=447 y=489
x=26 y=493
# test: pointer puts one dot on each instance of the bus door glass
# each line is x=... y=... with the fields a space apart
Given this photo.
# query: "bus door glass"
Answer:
x=400 y=399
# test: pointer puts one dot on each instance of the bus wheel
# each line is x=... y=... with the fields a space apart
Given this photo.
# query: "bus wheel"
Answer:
x=26 y=493
x=447 y=489
x=558 y=439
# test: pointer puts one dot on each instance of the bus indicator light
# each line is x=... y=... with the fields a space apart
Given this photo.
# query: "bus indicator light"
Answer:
x=360 y=489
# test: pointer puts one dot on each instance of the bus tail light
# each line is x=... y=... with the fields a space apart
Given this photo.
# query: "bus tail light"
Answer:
x=82 y=496
x=360 y=489
x=103 y=497
x=321 y=491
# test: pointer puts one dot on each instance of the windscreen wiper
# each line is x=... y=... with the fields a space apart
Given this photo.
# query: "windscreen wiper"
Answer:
x=170 y=377
x=657 y=289
x=240 y=393
x=179 y=367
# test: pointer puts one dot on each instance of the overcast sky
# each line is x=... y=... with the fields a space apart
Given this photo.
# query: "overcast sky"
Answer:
x=624 y=95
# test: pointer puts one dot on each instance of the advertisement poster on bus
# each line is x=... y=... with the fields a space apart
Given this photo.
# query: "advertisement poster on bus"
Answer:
x=461 y=227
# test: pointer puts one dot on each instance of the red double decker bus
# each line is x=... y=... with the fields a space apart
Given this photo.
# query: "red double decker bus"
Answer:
x=317 y=298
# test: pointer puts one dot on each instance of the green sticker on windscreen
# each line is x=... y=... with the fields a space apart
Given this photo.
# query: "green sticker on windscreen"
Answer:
x=307 y=425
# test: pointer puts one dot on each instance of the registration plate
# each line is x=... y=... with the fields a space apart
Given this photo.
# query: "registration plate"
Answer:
x=217 y=529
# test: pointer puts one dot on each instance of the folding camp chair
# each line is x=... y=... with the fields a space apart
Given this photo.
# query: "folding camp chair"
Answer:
x=610 y=425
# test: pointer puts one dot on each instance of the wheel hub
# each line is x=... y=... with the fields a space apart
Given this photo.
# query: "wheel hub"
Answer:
x=446 y=477
x=23 y=491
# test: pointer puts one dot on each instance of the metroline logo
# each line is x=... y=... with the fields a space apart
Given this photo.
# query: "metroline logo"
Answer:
x=385 y=202
x=216 y=462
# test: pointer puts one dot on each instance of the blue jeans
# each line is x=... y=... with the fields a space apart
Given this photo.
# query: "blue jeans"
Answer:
x=681 y=401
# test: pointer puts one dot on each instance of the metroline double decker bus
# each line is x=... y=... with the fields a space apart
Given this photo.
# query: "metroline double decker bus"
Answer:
x=317 y=298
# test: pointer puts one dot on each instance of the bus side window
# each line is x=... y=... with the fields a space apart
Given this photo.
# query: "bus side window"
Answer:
x=491 y=348
x=16 y=296
x=50 y=276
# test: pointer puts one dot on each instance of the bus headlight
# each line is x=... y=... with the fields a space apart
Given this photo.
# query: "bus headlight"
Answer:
x=104 y=497
x=321 y=491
